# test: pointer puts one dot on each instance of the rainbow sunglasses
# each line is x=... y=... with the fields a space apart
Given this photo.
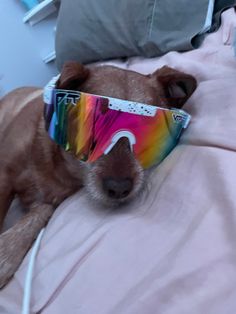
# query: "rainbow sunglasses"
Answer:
x=90 y=125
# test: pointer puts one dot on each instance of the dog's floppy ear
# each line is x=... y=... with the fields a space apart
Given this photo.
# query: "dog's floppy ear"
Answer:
x=177 y=86
x=72 y=75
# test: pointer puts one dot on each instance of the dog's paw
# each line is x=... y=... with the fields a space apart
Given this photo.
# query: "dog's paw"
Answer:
x=10 y=257
x=16 y=241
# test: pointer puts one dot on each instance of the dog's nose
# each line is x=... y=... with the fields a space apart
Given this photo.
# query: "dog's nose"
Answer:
x=117 y=188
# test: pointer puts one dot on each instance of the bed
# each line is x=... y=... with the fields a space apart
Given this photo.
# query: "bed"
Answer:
x=173 y=249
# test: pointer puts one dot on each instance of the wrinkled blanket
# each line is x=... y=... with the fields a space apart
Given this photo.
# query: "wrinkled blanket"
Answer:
x=173 y=250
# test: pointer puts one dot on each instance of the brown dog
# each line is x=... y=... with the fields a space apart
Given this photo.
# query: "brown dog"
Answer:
x=42 y=175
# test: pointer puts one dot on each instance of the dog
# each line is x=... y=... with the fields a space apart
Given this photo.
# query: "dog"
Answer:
x=42 y=175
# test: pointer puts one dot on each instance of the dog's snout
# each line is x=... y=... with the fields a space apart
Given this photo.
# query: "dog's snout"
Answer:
x=117 y=188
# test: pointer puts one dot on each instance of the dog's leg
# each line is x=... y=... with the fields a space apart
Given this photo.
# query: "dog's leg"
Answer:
x=16 y=241
x=6 y=197
x=5 y=202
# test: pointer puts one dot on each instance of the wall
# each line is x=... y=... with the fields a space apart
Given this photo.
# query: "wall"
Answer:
x=22 y=47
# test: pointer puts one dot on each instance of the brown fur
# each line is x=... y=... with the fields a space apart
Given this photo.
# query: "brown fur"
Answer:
x=42 y=175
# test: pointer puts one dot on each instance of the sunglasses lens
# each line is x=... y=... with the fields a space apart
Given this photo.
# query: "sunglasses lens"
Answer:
x=88 y=126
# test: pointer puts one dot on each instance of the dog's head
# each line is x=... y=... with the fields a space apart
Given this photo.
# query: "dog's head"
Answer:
x=117 y=177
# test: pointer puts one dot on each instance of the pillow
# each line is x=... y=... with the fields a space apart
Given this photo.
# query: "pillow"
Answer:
x=92 y=30
x=220 y=6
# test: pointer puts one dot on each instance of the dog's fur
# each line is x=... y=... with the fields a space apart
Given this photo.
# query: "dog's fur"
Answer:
x=42 y=175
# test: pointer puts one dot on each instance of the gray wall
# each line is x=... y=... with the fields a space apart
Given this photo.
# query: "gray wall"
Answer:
x=22 y=48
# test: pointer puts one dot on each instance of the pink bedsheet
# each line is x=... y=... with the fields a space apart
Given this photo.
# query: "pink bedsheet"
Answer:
x=173 y=250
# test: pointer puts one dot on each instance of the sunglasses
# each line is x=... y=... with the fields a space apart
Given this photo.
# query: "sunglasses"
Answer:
x=90 y=125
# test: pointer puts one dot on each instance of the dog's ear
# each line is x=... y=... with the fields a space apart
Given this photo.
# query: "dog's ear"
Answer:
x=72 y=75
x=177 y=86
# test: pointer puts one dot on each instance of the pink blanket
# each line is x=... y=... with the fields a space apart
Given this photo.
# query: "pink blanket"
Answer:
x=173 y=250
